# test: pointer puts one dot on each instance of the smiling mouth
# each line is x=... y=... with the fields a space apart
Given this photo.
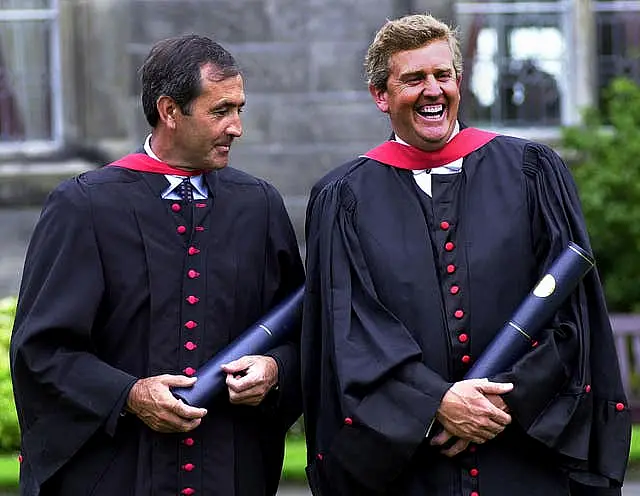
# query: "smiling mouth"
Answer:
x=431 y=112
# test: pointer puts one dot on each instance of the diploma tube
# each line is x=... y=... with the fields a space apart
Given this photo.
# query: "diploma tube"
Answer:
x=517 y=336
x=270 y=331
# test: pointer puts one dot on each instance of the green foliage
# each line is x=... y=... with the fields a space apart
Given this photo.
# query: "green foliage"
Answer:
x=9 y=432
x=606 y=167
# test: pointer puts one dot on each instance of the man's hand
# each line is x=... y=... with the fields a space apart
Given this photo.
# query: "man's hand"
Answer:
x=250 y=378
x=467 y=413
x=443 y=437
x=151 y=400
x=496 y=400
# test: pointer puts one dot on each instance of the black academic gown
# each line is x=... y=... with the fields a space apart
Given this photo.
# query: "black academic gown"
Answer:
x=120 y=284
x=404 y=292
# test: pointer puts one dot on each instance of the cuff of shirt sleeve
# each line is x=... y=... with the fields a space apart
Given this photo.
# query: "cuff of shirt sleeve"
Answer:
x=433 y=421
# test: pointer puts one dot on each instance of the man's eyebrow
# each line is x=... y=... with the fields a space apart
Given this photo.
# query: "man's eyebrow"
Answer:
x=417 y=72
x=228 y=103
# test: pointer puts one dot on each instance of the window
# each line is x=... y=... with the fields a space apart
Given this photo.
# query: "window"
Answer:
x=618 y=41
x=516 y=66
x=30 y=99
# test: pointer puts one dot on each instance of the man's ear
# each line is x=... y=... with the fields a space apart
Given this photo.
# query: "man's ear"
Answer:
x=380 y=97
x=167 y=110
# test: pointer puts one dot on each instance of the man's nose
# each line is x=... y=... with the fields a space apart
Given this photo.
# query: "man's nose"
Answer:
x=235 y=127
x=431 y=87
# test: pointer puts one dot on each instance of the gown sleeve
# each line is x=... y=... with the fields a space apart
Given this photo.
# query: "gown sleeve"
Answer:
x=284 y=274
x=64 y=392
x=568 y=392
x=383 y=397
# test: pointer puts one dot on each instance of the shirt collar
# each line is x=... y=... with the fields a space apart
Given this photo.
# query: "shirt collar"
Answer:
x=455 y=166
x=174 y=181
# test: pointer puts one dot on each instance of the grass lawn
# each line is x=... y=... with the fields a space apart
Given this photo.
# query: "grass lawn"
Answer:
x=294 y=461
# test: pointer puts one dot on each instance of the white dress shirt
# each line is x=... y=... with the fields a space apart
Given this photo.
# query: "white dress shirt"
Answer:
x=199 y=189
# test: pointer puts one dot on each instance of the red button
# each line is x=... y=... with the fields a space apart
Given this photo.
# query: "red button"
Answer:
x=454 y=290
x=449 y=246
x=587 y=388
x=191 y=324
x=188 y=467
x=193 y=274
x=319 y=456
x=188 y=491
x=190 y=345
x=188 y=441
x=176 y=207
x=181 y=229
x=458 y=314
x=193 y=250
x=474 y=493
x=534 y=344
x=463 y=338
x=201 y=205
x=189 y=371
x=348 y=421
x=20 y=458
x=199 y=228
x=466 y=359
x=444 y=225
x=619 y=406
x=473 y=472
x=192 y=299
x=451 y=268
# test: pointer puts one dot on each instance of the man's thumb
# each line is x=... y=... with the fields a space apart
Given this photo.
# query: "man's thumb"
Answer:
x=495 y=387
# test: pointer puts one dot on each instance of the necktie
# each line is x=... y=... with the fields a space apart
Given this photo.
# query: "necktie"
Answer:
x=185 y=190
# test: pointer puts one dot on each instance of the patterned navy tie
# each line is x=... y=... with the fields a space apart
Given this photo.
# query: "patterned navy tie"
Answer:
x=185 y=190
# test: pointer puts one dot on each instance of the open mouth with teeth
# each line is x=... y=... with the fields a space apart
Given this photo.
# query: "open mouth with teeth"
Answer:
x=432 y=112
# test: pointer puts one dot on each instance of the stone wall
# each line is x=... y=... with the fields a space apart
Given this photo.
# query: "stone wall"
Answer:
x=308 y=108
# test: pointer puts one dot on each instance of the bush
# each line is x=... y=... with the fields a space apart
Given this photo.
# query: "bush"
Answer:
x=606 y=167
x=9 y=431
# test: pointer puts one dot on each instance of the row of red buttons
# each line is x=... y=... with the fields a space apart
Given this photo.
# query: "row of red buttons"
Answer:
x=188 y=467
x=458 y=314
x=455 y=289
x=183 y=229
x=176 y=207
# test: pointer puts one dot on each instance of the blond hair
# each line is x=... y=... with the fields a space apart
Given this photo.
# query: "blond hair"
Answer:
x=407 y=33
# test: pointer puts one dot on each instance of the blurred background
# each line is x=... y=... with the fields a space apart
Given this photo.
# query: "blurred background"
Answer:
x=69 y=91
x=564 y=72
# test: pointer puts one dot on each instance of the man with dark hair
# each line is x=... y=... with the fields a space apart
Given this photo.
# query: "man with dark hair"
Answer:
x=138 y=273
x=418 y=252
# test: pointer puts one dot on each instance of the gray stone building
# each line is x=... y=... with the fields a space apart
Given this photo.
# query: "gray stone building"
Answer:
x=69 y=91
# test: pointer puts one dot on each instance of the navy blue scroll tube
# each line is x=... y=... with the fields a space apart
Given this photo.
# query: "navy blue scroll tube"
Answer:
x=534 y=313
x=270 y=331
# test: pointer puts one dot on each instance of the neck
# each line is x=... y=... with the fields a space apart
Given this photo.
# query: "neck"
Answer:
x=164 y=150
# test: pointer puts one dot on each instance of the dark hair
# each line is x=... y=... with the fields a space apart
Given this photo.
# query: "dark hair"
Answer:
x=172 y=69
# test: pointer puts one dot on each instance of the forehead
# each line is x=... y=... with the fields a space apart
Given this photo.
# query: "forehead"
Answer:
x=435 y=55
x=214 y=88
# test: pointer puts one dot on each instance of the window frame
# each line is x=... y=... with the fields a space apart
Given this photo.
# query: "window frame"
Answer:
x=50 y=15
x=567 y=83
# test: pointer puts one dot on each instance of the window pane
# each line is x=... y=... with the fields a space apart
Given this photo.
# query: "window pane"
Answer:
x=513 y=69
x=25 y=4
x=618 y=39
x=25 y=92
